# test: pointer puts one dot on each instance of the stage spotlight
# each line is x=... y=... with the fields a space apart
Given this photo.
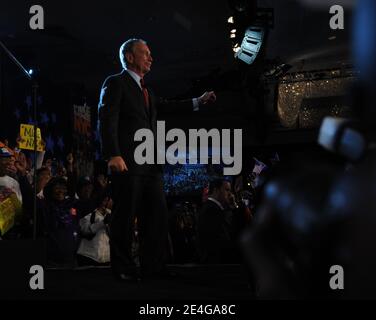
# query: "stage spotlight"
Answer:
x=236 y=48
x=251 y=23
x=251 y=44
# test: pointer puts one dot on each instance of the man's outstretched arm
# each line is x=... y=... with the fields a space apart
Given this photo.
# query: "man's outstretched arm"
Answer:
x=167 y=106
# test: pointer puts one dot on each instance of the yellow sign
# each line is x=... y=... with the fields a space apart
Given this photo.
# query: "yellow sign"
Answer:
x=10 y=211
x=7 y=214
x=27 y=138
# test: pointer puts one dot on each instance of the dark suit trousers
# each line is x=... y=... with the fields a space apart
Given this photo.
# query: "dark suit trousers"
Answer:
x=139 y=196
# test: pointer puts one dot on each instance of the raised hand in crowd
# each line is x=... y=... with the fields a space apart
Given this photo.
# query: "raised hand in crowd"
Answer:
x=21 y=164
x=232 y=201
x=18 y=140
x=117 y=164
x=70 y=160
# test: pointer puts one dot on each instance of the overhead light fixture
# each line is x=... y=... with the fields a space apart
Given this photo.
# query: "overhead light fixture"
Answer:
x=251 y=44
x=252 y=23
x=236 y=48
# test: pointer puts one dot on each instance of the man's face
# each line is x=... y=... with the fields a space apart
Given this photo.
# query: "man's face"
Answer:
x=86 y=192
x=59 y=192
x=224 y=193
x=7 y=166
x=44 y=177
x=61 y=171
x=139 y=60
x=107 y=203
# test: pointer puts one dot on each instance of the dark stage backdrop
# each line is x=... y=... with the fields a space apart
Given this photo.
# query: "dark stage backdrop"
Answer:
x=64 y=127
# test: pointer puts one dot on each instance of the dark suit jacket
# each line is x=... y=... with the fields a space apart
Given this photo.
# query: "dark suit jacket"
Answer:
x=215 y=243
x=122 y=111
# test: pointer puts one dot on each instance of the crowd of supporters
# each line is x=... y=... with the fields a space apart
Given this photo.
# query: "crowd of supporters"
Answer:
x=70 y=209
x=73 y=212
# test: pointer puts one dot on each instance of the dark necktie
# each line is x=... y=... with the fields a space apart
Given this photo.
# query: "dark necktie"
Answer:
x=145 y=92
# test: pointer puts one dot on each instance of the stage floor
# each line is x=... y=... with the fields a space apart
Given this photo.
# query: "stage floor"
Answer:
x=193 y=282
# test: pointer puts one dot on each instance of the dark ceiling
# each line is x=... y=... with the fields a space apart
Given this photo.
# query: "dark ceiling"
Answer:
x=188 y=39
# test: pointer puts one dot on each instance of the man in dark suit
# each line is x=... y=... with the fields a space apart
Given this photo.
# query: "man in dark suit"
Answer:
x=126 y=105
x=214 y=225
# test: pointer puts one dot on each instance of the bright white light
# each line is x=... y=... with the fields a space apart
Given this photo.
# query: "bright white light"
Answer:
x=236 y=49
x=232 y=35
x=230 y=20
x=233 y=31
x=31 y=71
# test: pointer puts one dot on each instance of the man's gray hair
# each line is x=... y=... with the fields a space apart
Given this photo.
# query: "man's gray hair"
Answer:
x=127 y=46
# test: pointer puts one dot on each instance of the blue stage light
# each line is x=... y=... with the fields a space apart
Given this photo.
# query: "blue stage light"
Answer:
x=251 y=44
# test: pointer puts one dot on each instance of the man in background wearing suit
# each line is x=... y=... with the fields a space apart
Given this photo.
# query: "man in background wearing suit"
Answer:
x=125 y=106
x=215 y=225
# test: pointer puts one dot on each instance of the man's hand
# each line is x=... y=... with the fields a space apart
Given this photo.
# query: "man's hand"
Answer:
x=70 y=158
x=207 y=97
x=232 y=201
x=117 y=164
